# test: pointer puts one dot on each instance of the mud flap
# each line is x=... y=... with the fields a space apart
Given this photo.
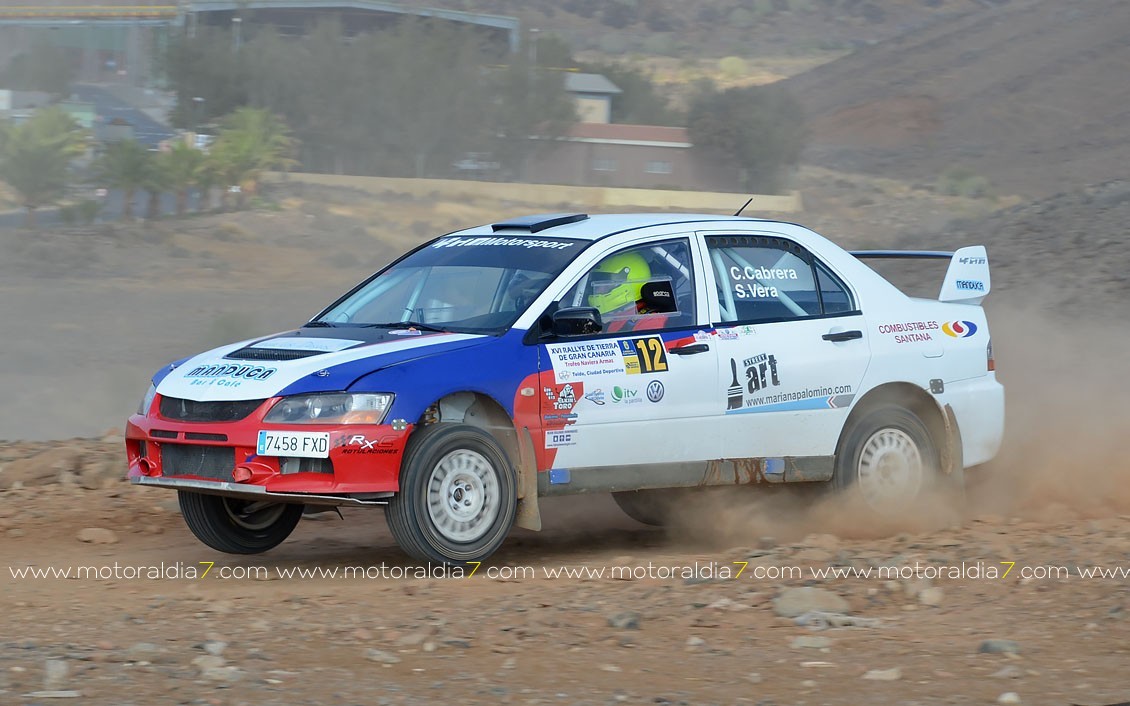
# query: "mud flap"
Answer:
x=952 y=458
x=528 y=515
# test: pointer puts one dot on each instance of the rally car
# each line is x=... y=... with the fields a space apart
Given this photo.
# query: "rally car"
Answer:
x=567 y=353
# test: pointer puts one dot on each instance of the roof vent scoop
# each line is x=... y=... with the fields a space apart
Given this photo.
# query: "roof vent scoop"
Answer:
x=540 y=222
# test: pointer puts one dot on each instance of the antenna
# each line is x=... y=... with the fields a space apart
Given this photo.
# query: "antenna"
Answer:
x=743 y=206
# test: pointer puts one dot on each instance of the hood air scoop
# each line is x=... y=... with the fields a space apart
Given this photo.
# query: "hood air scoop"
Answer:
x=251 y=353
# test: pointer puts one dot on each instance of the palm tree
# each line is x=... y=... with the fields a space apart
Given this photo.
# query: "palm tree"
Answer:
x=125 y=165
x=251 y=141
x=183 y=166
x=157 y=182
x=207 y=179
x=34 y=157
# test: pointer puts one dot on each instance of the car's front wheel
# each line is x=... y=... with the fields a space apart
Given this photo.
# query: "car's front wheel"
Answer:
x=457 y=498
x=238 y=526
x=887 y=459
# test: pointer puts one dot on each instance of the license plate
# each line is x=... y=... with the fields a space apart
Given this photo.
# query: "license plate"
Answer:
x=306 y=444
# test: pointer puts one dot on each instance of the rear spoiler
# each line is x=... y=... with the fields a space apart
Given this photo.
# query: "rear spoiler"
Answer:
x=967 y=278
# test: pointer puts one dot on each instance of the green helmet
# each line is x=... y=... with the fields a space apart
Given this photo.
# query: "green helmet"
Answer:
x=617 y=280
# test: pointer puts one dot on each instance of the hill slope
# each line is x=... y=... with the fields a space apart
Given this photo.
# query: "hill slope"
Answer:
x=1033 y=95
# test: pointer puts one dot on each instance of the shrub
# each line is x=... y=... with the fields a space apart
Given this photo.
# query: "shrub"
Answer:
x=959 y=181
x=733 y=67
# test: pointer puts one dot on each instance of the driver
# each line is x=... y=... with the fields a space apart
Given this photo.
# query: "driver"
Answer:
x=614 y=291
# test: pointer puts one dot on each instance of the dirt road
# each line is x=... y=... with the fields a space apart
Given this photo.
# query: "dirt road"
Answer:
x=990 y=606
x=978 y=604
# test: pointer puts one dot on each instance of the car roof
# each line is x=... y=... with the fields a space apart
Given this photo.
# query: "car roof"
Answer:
x=585 y=227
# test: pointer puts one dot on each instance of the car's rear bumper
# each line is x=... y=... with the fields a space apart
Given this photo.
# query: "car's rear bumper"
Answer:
x=978 y=405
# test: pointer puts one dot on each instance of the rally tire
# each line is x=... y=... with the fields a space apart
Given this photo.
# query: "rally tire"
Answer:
x=235 y=525
x=888 y=459
x=650 y=507
x=458 y=495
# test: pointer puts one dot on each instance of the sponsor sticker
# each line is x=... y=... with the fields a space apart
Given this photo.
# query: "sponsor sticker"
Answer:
x=353 y=444
x=502 y=242
x=654 y=391
x=625 y=395
x=959 y=329
x=910 y=331
x=577 y=361
x=596 y=397
x=564 y=398
x=563 y=437
x=969 y=285
x=227 y=375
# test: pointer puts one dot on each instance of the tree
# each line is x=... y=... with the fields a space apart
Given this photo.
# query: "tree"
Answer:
x=34 y=157
x=183 y=167
x=205 y=66
x=760 y=129
x=250 y=142
x=427 y=95
x=554 y=52
x=332 y=119
x=157 y=182
x=411 y=99
x=533 y=111
x=125 y=165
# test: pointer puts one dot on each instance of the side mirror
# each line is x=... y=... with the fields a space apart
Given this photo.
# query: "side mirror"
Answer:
x=576 y=321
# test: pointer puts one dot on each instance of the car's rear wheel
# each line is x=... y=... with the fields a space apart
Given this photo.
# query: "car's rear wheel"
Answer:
x=457 y=498
x=235 y=525
x=887 y=459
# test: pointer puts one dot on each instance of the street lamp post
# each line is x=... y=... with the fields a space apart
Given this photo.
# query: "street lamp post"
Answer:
x=237 y=25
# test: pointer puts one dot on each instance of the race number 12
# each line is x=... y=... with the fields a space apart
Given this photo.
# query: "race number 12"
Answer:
x=653 y=356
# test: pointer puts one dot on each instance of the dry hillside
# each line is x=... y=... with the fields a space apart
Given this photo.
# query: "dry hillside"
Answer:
x=1033 y=96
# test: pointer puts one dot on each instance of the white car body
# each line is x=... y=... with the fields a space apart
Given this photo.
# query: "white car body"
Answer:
x=562 y=354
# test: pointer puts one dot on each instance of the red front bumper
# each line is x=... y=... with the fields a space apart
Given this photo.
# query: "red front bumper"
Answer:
x=364 y=458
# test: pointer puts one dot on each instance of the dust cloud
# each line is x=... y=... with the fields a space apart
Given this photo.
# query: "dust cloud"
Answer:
x=1063 y=456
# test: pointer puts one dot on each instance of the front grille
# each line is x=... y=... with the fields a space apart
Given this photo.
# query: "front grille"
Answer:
x=215 y=462
x=270 y=354
x=191 y=411
x=199 y=436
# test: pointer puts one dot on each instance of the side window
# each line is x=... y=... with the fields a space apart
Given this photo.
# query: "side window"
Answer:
x=772 y=279
x=833 y=294
x=646 y=287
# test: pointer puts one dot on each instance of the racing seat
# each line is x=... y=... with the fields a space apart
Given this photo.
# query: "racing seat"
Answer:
x=654 y=307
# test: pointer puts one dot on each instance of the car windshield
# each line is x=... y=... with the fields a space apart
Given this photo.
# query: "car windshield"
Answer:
x=468 y=284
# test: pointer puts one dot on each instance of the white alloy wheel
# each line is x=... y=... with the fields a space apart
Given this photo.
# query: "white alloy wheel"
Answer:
x=463 y=495
x=890 y=469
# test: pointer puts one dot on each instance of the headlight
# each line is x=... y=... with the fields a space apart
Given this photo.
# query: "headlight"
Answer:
x=147 y=401
x=330 y=408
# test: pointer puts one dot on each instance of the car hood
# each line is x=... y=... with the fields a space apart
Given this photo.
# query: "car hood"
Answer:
x=300 y=361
